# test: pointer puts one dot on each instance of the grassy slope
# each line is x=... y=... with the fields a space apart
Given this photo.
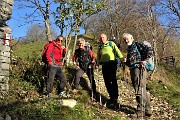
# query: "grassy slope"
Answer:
x=23 y=101
x=167 y=87
x=33 y=107
x=28 y=50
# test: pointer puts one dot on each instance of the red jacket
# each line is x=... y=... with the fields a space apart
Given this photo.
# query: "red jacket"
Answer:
x=55 y=53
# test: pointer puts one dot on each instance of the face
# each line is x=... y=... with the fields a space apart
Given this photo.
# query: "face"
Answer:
x=59 y=40
x=81 y=44
x=103 y=38
x=128 y=40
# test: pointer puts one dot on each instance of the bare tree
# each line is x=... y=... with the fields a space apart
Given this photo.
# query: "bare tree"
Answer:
x=36 y=33
x=173 y=6
x=45 y=11
x=114 y=18
x=38 y=11
x=170 y=10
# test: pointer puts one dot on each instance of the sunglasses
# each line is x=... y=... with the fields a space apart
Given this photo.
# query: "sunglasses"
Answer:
x=59 y=40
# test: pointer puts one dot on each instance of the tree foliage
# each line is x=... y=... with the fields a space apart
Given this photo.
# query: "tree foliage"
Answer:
x=71 y=14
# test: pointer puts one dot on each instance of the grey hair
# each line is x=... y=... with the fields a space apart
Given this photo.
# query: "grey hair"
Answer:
x=127 y=34
x=81 y=39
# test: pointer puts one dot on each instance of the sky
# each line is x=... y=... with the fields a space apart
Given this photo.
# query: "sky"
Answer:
x=17 y=22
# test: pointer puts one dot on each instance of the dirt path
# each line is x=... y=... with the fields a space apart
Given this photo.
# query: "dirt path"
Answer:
x=127 y=102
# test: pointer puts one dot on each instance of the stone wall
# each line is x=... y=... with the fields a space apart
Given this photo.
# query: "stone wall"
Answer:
x=5 y=37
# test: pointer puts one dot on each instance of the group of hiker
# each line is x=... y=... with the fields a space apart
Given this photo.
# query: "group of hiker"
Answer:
x=85 y=61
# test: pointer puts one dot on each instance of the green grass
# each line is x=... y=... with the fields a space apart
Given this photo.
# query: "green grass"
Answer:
x=23 y=100
x=26 y=51
x=43 y=109
x=168 y=90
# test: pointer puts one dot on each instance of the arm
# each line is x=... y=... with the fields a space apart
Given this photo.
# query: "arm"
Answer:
x=64 y=51
x=75 y=57
x=92 y=55
x=117 y=51
x=98 y=56
x=146 y=52
x=49 y=54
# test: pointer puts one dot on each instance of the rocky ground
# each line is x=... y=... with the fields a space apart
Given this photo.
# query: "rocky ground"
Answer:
x=127 y=102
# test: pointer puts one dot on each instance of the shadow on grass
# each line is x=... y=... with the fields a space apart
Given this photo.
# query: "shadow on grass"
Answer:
x=19 y=110
x=127 y=109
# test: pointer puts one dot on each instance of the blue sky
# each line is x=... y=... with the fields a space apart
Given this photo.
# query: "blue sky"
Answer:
x=17 y=22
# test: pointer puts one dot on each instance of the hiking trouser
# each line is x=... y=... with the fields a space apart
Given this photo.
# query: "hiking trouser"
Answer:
x=109 y=75
x=90 y=75
x=52 y=73
x=138 y=78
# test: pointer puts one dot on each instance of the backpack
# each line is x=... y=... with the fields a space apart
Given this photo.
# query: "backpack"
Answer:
x=43 y=55
x=84 y=58
x=150 y=63
x=88 y=46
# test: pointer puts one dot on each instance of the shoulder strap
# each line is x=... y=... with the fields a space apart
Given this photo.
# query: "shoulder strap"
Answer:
x=137 y=48
x=110 y=43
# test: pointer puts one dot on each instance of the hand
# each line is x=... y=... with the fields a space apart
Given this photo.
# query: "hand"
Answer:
x=124 y=60
x=75 y=65
x=50 y=63
x=93 y=62
x=143 y=63
x=96 y=66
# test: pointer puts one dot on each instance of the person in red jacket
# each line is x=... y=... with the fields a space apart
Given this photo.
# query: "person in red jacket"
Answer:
x=83 y=60
x=55 y=54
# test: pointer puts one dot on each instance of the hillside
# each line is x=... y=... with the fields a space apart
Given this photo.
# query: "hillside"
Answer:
x=27 y=81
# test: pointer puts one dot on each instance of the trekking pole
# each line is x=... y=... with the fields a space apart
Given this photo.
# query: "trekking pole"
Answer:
x=121 y=91
x=142 y=77
x=127 y=82
x=99 y=88
x=128 y=85
x=90 y=75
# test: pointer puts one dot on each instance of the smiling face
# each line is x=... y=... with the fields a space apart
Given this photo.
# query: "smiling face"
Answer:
x=128 y=39
x=81 y=43
x=103 y=38
x=59 y=40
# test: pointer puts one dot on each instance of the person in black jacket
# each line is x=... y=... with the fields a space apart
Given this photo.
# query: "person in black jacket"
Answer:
x=83 y=60
x=136 y=63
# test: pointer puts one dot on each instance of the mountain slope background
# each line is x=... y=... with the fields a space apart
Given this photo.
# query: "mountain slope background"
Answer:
x=27 y=85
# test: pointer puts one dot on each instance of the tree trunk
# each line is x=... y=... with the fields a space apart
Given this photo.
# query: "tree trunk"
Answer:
x=48 y=30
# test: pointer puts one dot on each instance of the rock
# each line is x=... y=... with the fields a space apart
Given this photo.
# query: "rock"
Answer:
x=7 y=117
x=68 y=102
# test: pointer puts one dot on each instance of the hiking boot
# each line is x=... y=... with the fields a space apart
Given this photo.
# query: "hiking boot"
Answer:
x=75 y=91
x=112 y=103
x=148 y=113
x=48 y=96
x=62 y=95
x=138 y=114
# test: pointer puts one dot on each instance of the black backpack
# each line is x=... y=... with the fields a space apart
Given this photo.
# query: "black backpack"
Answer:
x=84 y=58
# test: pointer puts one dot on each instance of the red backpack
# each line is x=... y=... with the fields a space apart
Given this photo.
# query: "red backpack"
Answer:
x=43 y=55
